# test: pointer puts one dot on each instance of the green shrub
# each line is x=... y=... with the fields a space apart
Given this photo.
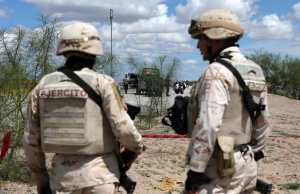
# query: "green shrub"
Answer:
x=290 y=186
x=14 y=170
x=282 y=73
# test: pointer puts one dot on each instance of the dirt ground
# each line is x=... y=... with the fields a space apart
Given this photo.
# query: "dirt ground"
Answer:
x=161 y=170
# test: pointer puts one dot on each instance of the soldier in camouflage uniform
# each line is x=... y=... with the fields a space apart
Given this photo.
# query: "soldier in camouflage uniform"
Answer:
x=219 y=124
x=63 y=120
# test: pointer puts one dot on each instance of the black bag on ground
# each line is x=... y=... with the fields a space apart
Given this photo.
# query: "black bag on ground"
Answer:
x=177 y=115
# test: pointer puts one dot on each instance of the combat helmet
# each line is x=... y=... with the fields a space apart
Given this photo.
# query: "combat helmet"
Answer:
x=216 y=24
x=79 y=37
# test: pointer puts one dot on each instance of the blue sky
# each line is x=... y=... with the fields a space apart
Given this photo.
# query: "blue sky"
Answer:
x=147 y=29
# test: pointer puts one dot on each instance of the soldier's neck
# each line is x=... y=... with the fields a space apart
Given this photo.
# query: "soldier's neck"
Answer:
x=76 y=63
x=218 y=51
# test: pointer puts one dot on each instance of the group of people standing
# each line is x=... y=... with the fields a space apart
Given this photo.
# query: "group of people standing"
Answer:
x=86 y=136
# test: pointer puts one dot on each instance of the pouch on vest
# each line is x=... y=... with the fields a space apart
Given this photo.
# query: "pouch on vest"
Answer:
x=225 y=156
x=63 y=119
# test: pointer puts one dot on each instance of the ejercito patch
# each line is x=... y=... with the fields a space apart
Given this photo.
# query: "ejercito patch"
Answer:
x=62 y=93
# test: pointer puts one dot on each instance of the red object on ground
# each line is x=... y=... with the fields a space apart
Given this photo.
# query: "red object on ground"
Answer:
x=5 y=145
x=163 y=136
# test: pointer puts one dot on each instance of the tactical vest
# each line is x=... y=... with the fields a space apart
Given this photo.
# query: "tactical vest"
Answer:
x=71 y=123
x=236 y=120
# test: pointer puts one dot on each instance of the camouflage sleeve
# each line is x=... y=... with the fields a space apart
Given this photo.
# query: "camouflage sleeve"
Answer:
x=213 y=96
x=262 y=129
x=122 y=126
x=32 y=139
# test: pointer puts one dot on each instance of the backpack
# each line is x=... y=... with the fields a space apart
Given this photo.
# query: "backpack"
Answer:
x=177 y=115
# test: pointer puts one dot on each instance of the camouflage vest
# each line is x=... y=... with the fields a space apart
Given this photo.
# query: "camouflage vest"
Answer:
x=236 y=119
x=71 y=123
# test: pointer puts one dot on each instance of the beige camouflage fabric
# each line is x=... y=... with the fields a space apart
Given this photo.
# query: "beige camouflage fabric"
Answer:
x=73 y=172
x=79 y=37
x=216 y=24
x=211 y=97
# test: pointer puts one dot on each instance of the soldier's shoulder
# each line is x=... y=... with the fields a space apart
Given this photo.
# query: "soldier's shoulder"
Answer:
x=100 y=76
x=246 y=66
x=217 y=70
x=48 y=76
x=253 y=63
x=104 y=79
x=216 y=66
x=240 y=59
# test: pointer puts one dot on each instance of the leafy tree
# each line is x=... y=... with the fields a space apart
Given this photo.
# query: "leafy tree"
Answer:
x=282 y=73
x=25 y=57
x=155 y=83
x=106 y=64
x=167 y=70
x=41 y=49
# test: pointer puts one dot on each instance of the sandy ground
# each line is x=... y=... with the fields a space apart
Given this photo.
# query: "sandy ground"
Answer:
x=161 y=170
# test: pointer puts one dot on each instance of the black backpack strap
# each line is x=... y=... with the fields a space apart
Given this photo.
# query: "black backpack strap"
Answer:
x=252 y=107
x=88 y=89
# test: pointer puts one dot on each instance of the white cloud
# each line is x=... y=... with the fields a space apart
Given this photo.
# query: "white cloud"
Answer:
x=10 y=39
x=174 y=37
x=158 y=24
x=98 y=10
x=147 y=37
x=296 y=8
x=3 y=13
x=154 y=36
x=271 y=27
x=144 y=28
x=140 y=27
x=151 y=44
x=245 y=9
x=190 y=62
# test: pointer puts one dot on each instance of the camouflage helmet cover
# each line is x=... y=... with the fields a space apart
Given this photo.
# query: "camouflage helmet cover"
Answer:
x=79 y=37
x=216 y=24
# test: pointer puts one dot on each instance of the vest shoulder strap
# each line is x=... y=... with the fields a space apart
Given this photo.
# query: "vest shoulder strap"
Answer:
x=235 y=72
x=252 y=107
x=87 y=88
